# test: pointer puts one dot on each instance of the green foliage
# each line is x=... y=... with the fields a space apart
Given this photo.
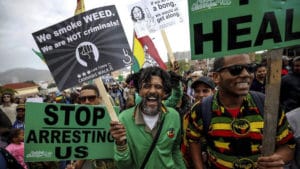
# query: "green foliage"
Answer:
x=183 y=66
x=51 y=85
x=7 y=90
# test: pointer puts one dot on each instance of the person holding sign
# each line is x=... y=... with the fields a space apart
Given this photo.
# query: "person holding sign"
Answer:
x=90 y=95
x=232 y=124
x=152 y=130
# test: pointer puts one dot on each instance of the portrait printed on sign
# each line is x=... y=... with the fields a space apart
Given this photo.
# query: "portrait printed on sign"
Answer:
x=143 y=22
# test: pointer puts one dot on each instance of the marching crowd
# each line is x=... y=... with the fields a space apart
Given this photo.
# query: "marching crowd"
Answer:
x=168 y=120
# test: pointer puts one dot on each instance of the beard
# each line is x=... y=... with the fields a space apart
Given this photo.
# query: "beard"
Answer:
x=151 y=110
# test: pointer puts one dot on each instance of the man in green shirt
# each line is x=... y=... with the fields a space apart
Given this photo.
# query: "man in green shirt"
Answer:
x=140 y=125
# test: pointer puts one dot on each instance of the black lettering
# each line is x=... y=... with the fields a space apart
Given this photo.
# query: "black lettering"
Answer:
x=44 y=136
x=66 y=134
x=110 y=138
x=50 y=111
x=244 y=2
x=86 y=135
x=289 y=20
x=67 y=110
x=81 y=152
x=31 y=137
x=78 y=116
x=268 y=19
x=101 y=136
x=76 y=136
x=99 y=113
x=234 y=32
x=55 y=136
x=59 y=155
x=215 y=36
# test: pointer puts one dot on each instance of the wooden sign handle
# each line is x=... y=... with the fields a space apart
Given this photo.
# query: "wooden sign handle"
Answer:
x=169 y=49
x=272 y=90
x=105 y=98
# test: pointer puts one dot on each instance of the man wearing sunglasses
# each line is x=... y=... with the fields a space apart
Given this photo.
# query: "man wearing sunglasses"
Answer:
x=90 y=95
x=234 y=133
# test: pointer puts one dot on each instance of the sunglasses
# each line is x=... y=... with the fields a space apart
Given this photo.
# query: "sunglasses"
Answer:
x=20 y=110
x=89 y=98
x=237 y=69
x=6 y=96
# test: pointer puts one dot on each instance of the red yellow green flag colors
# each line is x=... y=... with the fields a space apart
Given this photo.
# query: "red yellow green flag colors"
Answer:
x=39 y=54
x=143 y=47
x=138 y=53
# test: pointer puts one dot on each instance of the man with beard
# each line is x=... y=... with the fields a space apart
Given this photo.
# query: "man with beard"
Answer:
x=234 y=132
x=146 y=121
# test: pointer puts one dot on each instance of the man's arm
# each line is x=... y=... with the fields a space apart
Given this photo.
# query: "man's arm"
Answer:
x=175 y=96
x=196 y=154
x=286 y=146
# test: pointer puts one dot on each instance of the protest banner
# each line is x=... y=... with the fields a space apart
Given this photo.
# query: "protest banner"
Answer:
x=84 y=47
x=67 y=132
x=226 y=27
x=143 y=22
x=150 y=16
x=165 y=12
x=220 y=28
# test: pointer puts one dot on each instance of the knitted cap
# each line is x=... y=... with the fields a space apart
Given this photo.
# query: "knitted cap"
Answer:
x=20 y=106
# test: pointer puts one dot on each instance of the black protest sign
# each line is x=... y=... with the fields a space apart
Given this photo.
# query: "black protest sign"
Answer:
x=85 y=46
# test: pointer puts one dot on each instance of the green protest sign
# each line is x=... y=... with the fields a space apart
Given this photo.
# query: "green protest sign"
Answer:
x=224 y=27
x=57 y=132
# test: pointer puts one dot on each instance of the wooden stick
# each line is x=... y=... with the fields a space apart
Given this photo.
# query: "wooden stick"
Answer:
x=272 y=90
x=105 y=98
x=169 y=49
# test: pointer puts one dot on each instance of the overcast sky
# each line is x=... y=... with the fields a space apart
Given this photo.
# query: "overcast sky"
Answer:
x=20 y=18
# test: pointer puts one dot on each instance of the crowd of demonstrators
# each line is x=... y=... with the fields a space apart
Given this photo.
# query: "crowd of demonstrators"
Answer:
x=153 y=97
x=259 y=81
x=289 y=99
x=233 y=129
x=290 y=87
x=146 y=121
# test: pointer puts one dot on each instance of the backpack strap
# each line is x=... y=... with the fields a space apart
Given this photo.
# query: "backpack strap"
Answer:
x=206 y=112
x=10 y=160
x=259 y=100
